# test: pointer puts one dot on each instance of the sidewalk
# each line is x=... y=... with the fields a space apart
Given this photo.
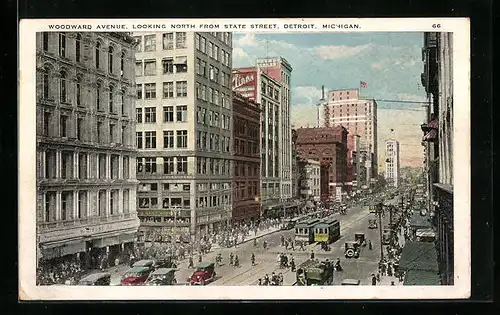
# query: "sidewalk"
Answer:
x=250 y=238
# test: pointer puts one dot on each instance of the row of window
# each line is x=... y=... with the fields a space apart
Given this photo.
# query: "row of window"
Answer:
x=212 y=166
x=212 y=201
x=148 y=114
x=108 y=203
x=148 y=92
x=217 y=186
x=244 y=128
x=213 y=119
x=169 y=66
x=169 y=41
x=74 y=92
x=147 y=139
x=246 y=148
x=152 y=202
x=167 y=187
x=212 y=50
x=208 y=141
x=171 y=165
x=83 y=165
x=80 y=127
x=270 y=91
x=101 y=56
x=246 y=169
x=213 y=96
x=246 y=190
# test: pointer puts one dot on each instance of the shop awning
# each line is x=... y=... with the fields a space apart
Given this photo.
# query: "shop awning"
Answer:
x=420 y=221
x=419 y=256
x=107 y=241
x=421 y=277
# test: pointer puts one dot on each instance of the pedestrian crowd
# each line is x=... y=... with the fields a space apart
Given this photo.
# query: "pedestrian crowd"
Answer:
x=66 y=272
x=275 y=279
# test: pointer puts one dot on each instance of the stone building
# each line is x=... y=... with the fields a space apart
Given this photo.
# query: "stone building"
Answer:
x=246 y=135
x=310 y=184
x=184 y=133
x=86 y=183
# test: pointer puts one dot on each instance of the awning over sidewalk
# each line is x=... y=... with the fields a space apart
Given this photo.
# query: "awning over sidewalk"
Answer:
x=271 y=205
x=419 y=221
x=419 y=256
x=421 y=277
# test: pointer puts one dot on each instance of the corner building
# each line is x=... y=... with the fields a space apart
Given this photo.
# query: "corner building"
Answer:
x=184 y=133
x=392 y=163
x=86 y=185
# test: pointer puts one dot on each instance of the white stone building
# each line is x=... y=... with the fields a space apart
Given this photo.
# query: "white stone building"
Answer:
x=310 y=183
x=392 y=165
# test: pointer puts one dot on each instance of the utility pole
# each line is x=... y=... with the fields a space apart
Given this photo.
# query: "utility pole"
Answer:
x=379 y=210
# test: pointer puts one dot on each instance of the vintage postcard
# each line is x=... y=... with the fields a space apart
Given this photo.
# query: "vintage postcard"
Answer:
x=212 y=159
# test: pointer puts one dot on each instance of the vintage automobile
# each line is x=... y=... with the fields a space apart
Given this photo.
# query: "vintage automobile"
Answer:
x=360 y=239
x=100 y=278
x=351 y=250
x=350 y=282
x=205 y=272
x=162 y=276
x=144 y=263
x=135 y=276
x=372 y=224
x=164 y=263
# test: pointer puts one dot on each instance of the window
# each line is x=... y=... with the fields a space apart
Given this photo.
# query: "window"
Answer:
x=138 y=140
x=98 y=55
x=47 y=117
x=182 y=113
x=62 y=44
x=168 y=113
x=150 y=43
x=99 y=132
x=196 y=41
x=122 y=63
x=180 y=40
x=122 y=99
x=110 y=59
x=168 y=166
x=168 y=65
x=79 y=124
x=150 y=91
x=63 y=128
x=216 y=97
x=78 y=91
x=168 y=139
x=210 y=49
x=124 y=135
x=45 y=41
x=138 y=88
x=112 y=133
x=138 y=68
x=182 y=138
x=216 y=52
x=150 y=165
x=110 y=98
x=203 y=44
x=210 y=95
x=138 y=115
x=63 y=83
x=182 y=165
x=181 y=87
x=168 y=41
x=203 y=68
x=150 y=114
x=150 y=67
x=78 y=47
x=168 y=89
x=181 y=64
x=203 y=92
x=150 y=139
x=46 y=83
x=66 y=165
x=65 y=205
x=216 y=75
x=197 y=66
x=138 y=47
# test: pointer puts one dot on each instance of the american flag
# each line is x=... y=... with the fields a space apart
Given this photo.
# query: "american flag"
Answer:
x=362 y=84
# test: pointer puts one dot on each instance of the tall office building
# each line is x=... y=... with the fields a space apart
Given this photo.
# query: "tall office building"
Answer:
x=391 y=173
x=184 y=133
x=86 y=184
x=359 y=116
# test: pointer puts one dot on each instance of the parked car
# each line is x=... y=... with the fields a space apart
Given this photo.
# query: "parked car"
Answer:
x=162 y=276
x=351 y=250
x=205 y=272
x=136 y=276
x=372 y=224
x=100 y=278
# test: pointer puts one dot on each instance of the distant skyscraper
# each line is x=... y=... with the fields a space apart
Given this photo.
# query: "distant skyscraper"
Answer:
x=392 y=162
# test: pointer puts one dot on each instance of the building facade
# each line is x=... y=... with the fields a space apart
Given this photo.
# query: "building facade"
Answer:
x=353 y=163
x=310 y=187
x=296 y=170
x=86 y=183
x=255 y=84
x=246 y=183
x=184 y=133
x=359 y=117
x=391 y=171
x=437 y=78
x=328 y=146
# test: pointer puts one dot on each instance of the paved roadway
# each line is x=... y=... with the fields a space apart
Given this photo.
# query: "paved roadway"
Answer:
x=266 y=260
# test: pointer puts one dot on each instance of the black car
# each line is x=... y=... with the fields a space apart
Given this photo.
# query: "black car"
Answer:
x=164 y=263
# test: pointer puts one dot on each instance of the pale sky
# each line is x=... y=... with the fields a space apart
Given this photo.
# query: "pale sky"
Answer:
x=390 y=64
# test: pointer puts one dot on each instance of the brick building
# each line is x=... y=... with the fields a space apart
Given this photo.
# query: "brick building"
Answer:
x=246 y=175
x=328 y=145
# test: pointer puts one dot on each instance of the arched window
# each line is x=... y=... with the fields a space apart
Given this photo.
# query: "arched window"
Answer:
x=110 y=59
x=62 y=44
x=63 y=85
x=78 y=47
x=122 y=96
x=46 y=83
x=122 y=63
x=78 y=91
x=98 y=96
x=110 y=98
x=98 y=55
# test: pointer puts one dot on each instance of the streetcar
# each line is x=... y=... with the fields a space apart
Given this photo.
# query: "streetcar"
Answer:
x=304 y=231
x=327 y=231
x=289 y=224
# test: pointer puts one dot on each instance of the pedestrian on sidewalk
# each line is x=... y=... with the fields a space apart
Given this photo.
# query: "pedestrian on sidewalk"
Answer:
x=374 y=279
x=370 y=246
x=282 y=240
x=378 y=277
x=302 y=246
x=191 y=264
x=312 y=254
x=292 y=246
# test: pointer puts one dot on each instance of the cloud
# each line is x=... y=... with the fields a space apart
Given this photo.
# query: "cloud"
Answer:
x=332 y=52
x=306 y=95
x=248 y=39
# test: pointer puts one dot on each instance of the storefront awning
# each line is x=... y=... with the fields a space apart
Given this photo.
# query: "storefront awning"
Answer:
x=421 y=277
x=419 y=256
